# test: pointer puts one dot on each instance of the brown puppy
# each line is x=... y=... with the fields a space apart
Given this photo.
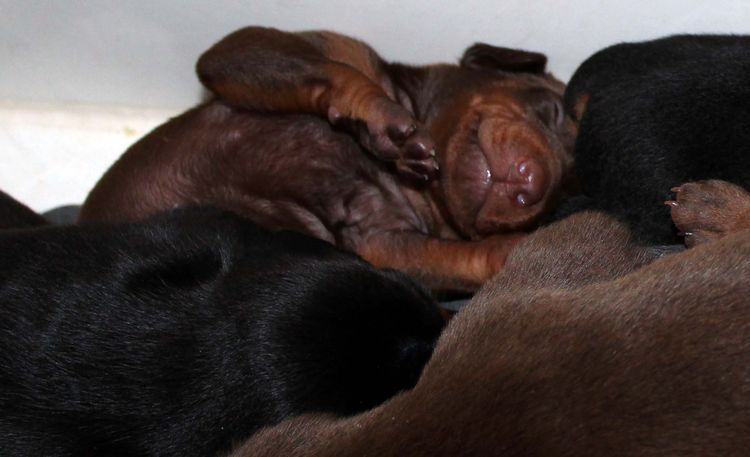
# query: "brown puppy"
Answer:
x=706 y=210
x=283 y=144
x=653 y=363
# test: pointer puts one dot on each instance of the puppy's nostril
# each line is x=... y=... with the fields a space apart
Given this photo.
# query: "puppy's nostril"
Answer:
x=529 y=184
x=525 y=171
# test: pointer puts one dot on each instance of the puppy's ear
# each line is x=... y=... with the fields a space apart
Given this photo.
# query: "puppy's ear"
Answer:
x=181 y=270
x=482 y=56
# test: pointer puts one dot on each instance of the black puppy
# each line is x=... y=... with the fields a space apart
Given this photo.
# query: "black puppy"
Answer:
x=183 y=334
x=14 y=214
x=655 y=115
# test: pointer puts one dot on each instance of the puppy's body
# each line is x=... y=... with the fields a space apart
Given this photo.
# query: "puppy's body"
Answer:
x=657 y=114
x=651 y=363
x=182 y=334
x=315 y=132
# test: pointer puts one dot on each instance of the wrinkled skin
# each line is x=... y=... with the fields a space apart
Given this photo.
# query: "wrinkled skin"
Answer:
x=504 y=159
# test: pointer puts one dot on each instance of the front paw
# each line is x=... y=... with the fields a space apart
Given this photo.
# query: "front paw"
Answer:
x=391 y=133
x=707 y=210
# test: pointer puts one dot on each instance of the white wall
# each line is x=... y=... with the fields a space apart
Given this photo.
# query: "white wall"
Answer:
x=141 y=54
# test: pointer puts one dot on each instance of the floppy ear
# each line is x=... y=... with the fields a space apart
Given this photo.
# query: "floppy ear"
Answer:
x=180 y=270
x=482 y=56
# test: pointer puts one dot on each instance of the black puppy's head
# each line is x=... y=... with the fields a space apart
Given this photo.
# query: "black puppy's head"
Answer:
x=359 y=336
x=606 y=70
x=320 y=328
x=200 y=319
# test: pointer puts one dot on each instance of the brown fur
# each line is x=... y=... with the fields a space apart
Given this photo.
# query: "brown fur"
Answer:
x=571 y=362
x=711 y=209
x=285 y=143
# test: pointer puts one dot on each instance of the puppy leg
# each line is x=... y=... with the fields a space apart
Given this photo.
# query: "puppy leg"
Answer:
x=324 y=74
x=584 y=248
x=706 y=210
x=444 y=265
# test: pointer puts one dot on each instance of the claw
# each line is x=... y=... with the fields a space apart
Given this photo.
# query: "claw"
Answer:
x=334 y=115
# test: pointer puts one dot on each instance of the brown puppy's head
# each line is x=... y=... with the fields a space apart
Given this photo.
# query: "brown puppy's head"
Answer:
x=503 y=139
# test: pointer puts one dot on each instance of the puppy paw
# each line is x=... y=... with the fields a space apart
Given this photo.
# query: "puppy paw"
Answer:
x=391 y=133
x=707 y=210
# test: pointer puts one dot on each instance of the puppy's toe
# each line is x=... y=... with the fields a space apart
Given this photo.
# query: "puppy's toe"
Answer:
x=396 y=135
x=418 y=156
x=417 y=170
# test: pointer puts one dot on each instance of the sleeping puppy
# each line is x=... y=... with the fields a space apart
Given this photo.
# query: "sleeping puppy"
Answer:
x=184 y=333
x=588 y=363
x=434 y=170
x=14 y=214
x=655 y=115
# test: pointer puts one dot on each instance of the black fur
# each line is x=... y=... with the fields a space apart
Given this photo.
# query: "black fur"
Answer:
x=660 y=113
x=14 y=214
x=182 y=334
